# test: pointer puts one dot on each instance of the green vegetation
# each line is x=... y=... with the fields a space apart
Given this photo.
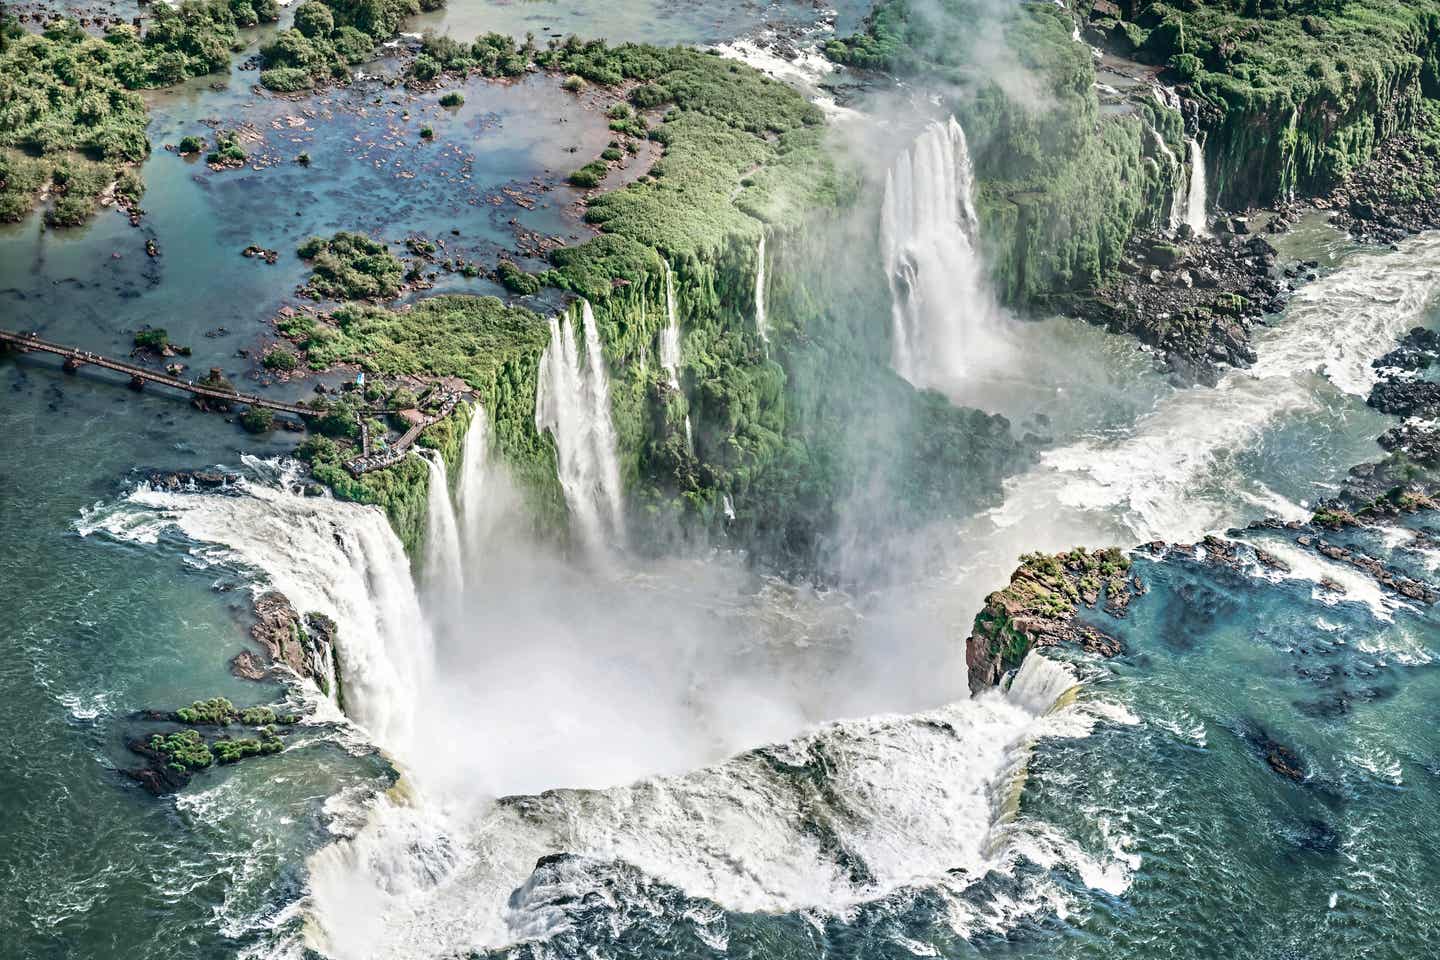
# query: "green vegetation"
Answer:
x=351 y=266
x=1061 y=183
x=427 y=133
x=191 y=145
x=515 y=280
x=453 y=99
x=591 y=175
x=494 y=348
x=329 y=37
x=227 y=152
x=258 y=420
x=153 y=339
x=217 y=710
x=1293 y=95
x=184 y=750
x=227 y=750
x=280 y=360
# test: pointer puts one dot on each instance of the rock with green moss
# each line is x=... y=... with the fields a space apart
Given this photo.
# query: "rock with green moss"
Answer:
x=1038 y=609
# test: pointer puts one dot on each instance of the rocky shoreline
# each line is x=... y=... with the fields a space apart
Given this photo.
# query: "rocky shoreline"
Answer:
x=1194 y=299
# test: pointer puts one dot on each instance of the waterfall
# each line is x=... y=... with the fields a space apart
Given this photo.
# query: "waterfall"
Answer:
x=944 y=321
x=670 y=343
x=1040 y=683
x=670 y=336
x=336 y=558
x=444 y=573
x=573 y=402
x=761 y=324
x=1195 y=203
x=1176 y=213
x=473 y=489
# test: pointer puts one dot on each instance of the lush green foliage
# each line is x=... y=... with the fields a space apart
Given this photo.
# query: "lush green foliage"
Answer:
x=515 y=280
x=68 y=115
x=1061 y=184
x=1294 y=95
x=329 y=37
x=351 y=266
x=184 y=749
x=217 y=710
x=494 y=348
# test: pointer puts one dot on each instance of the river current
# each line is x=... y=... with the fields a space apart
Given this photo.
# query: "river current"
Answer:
x=612 y=758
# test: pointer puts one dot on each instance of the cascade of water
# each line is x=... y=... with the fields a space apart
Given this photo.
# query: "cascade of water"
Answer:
x=762 y=326
x=670 y=343
x=1176 y=214
x=474 y=476
x=1195 y=203
x=944 y=320
x=444 y=572
x=573 y=402
x=670 y=336
x=1040 y=683
x=325 y=555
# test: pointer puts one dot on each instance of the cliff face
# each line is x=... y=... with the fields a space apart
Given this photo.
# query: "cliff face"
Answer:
x=1288 y=101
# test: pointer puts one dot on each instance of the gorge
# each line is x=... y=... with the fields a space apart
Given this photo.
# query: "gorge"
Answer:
x=909 y=484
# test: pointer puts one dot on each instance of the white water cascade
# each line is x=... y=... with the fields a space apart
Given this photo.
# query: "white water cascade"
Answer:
x=670 y=355
x=444 y=575
x=336 y=558
x=762 y=325
x=474 y=489
x=945 y=323
x=573 y=403
x=1195 y=202
x=1176 y=213
x=921 y=800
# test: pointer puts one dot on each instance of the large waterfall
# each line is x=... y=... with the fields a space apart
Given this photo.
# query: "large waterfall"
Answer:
x=573 y=403
x=339 y=559
x=945 y=323
x=474 y=489
x=1195 y=203
x=444 y=575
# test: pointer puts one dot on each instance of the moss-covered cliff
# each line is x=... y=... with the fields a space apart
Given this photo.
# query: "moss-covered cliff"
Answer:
x=1063 y=179
x=789 y=425
x=1291 y=96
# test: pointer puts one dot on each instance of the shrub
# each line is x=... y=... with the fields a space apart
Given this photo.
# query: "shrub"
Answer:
x=216 y=710
x=351 y=266
x=453 y=99
x=153 y=339
x=425 y=68
x=313 y=19
x=574 y=83
x=258 y=420
x=191 y=144
x=185 y=749
x=286 y=79
x=427 y=133
x=515 y=280
x=589 y=175
x=280 y=360
x=610 y=153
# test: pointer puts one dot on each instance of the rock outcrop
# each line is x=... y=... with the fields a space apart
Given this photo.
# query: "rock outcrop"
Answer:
x=1039 y=608
x=303 y=644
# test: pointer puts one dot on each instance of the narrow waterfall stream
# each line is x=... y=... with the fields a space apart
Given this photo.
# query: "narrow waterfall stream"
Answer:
x=1196 y=200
